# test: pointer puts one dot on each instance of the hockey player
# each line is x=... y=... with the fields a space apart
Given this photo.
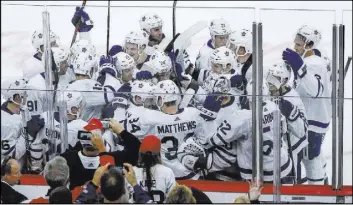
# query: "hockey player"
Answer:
x=172 y=125
x=95 y=95
x=151 y=174
x=312 y=82
x=240 y=42
x=12 y=129
x=34 y=65
x=40 y=144
x=292 y=108
x=152 y=24
x=219 y=30
x=36 y=100
x=135 y=44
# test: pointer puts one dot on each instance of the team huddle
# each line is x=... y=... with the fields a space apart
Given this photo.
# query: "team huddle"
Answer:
x=200 y=111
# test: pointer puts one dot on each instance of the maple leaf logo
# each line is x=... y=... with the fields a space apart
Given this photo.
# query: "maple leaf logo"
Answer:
x=40 y=35
x=69 y=95
x=84 y=50
x=17 y=83
x=243 y=33
x=143 y=18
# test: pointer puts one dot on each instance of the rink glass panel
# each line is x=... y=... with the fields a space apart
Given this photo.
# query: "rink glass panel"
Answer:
x=347 y=126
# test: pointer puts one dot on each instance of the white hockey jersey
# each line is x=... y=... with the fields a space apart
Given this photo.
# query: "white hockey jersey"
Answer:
x=244 y=148
x=95 y=96
x=314 y=87
x=163 y=180
x=12 y=134
x=32 y=66
x=225 y=154
x=37 y=96
x=172 y=130
x=202 y=59
x=238 y=66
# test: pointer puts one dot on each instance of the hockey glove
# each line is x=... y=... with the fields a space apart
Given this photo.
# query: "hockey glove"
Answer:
x=211 y=106
x=86 y=24
x=293 y=59
x=289 y=110
x=34 y=125
x=144 y=75
x=237 y=82
x=107 y=65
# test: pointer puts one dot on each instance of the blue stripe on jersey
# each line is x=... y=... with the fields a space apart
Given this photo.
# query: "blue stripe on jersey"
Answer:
x=318 y=124
x=296 y=145
x=9 y=151
x=266 y=173
x=266 y=129
x=189 y=176
x=105 y=92
x=209 y=44
x=36 y=56
x=43 y=75
x=320 y=88
x=223 y=158
x=224 y=150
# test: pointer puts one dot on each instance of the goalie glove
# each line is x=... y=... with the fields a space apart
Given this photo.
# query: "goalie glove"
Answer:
x=193 y=156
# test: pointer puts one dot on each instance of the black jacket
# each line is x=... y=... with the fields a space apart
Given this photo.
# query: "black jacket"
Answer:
x=10 y=196
x=79 y=175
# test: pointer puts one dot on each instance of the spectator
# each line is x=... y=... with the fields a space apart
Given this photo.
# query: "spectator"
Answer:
x=111 y=179
x=56 y=174
x=180 y=194
x=10 y=175
x=151 y=174
x=60 y=195
x=84 y=163
x=254 y=194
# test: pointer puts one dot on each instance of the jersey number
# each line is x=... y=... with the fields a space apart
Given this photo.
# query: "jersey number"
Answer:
x=174 y=147
x=32 y=105
x=5 y=145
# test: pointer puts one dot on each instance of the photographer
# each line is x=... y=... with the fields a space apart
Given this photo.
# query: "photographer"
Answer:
x=84 y=163
x=111 y=180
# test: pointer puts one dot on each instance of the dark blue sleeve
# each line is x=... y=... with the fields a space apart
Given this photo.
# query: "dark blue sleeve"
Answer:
x=141 y=197
x=115 y=49
x=34 y=125
x=88 y=194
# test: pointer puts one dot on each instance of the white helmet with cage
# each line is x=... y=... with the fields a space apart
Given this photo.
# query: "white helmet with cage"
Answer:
x=138 y=37
x=219 y=27
x=166 y=91
x=279 y=74
x=149 y=21
x=160 y=62
x=84 y=64
x=309 y=34
x=14 y=87
x=124 y=62
x=241 y=38
x=222 y=56
x=217 y=83
x=38 y=39
x=265 y=90
x=141 y=89
x=73 y=101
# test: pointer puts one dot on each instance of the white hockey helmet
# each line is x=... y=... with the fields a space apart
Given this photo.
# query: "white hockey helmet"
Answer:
x=160 y=62
x=219 y=27
x=14 y=87
x=84 y=46
x=265 y=90
x=309 y=34
x=241 y=38
x=73 y=101
x=141 y=89
x=217 y=83
x=59 y=55
x=84 y=64
x=166 y=91
x=138 y=37
x=38 y=39
x=124 y=62
x=278 y=74
x=222 y=56
x=149 y=21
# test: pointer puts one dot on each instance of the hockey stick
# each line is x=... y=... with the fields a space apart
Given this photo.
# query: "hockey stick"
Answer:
x=347 y=65
x=108 y=27
x=77 y=27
